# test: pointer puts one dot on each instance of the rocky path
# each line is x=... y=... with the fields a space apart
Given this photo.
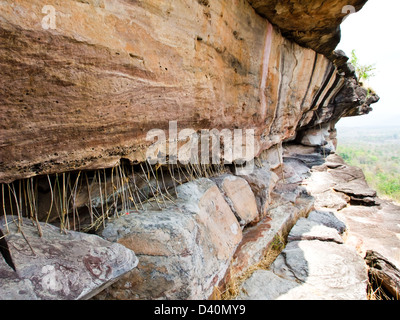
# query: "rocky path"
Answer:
x=373 y=223
x=324 y=257
x=315 y=265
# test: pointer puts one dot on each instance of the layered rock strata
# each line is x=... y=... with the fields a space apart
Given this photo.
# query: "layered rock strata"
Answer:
x=83 y=82
x=314 y=24
x=55 y=266
x=315 y=265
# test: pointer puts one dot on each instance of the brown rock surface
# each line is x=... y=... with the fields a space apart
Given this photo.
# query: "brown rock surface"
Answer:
x=59 y=266
x=239 y=196
x=384 y=275
x=312 y=23
x=184 y=249
x=85 y=94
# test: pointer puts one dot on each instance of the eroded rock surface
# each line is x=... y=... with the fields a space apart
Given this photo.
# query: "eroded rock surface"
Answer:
x=384 y=276
x=373 y=223
x=59 y=266
x=184 y=249
x=240 y=197
x=315 y=265
x=314 y=24
x=85 y=94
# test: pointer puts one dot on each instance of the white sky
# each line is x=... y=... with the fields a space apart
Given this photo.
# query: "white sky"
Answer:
x=374 y=32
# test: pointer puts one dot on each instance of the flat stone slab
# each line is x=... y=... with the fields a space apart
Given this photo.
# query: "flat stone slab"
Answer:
x=328 y=219
x=310 y=270
x=184 y=249
x=310 y=230
x=59 y=266
x=374 y=228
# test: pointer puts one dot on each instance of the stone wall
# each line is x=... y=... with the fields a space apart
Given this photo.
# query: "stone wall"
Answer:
x=84 y=94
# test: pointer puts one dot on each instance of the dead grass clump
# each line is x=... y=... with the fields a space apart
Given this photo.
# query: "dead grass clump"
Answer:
x=274 y=249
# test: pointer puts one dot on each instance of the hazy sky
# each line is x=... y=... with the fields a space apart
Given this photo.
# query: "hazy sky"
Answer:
x=374 y=32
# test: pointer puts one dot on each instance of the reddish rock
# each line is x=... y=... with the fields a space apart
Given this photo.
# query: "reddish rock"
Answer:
x=83 y=95
x=240 y=197
x=313 y=23
x=59 y=266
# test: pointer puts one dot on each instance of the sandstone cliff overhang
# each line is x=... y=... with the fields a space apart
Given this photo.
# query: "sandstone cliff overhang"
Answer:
x=314 y=24
x=82 y=83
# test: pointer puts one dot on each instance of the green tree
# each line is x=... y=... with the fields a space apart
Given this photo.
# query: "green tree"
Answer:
x=363 y=72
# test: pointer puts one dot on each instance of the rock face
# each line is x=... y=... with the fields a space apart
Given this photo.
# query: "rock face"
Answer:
x=262 y=181
x=83 y=83
x=315 y=265
x=383 y=275
x=184 y=250
x=310 y=230
x=240 y=197
x=314 y=24
x=373 y=223
x=59 y=267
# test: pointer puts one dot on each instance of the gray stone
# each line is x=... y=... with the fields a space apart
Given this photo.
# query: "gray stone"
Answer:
x=290 y=192
x=373 y=223
x=310 y=270
x=315 y=265
x=173 y=262
x=265 y=285
x=374 y=228
x=184 y=249
x=310 y=160
x=332 y=200
x=310 y=230
x=262 y=181
x=59 y=266
x=328 y=219
x=273 y=156
x=257 y=240
x=295 y=170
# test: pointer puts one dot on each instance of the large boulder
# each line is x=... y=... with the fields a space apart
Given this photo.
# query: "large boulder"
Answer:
x=184 y=249
x=262 y=181
x=83 y=92
x=314 y=24
x=240 y=197
x=315 y=265
x=59 y=266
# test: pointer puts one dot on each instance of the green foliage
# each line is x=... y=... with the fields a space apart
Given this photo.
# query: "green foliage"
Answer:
x=377 y=153
x=364 y=72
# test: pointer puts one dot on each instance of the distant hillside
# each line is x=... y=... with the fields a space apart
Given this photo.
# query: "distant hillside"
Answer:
x=377 y=151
